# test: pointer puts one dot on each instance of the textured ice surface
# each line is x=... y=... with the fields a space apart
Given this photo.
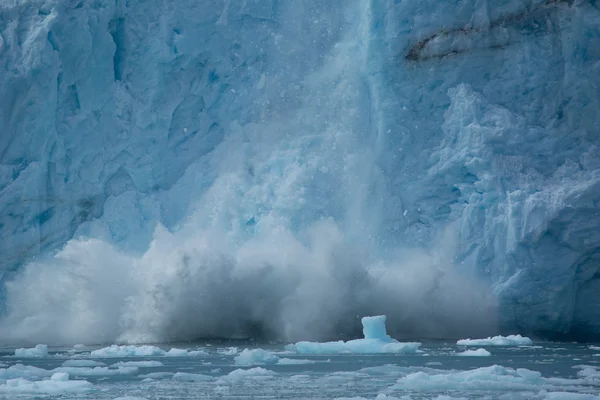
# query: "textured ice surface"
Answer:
x=264 y=357
x=475 y=353
x=510 y=340
x=22 y=386
x=41 y=350
x=143 y=351
x=240 y=126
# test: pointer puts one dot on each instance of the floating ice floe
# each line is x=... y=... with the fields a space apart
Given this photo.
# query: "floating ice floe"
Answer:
x=41 y=350
x=495 y=377
x=83 y=363
x=264 y=357
x=116 y=351
x=185 y=353
x=157 y=375
x=97 y=371
x=52 y=386
x=510 y=340
x=376 y=340
x=20 y=371
x=139 y=364
x=252 y=373
x=475 y=353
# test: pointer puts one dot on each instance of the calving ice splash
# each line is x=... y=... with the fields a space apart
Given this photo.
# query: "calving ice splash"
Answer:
x=311 y=161
x=266 y=173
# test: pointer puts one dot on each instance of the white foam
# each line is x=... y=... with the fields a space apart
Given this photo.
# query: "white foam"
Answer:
x=511 y=340
x=185 y=376
x=41 y=350
x=475 y=353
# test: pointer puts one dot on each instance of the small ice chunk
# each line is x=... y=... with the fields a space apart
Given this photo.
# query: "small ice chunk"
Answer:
x=475 y=353
x=41 y=350
x=60 y=376
x=258 y=372
x=128 y=351
x=79 y=346
x=139 y=364
x=186 y=376
x=185 y=353
x=82 y=363
x=510 y=340
x=376 y=341
x=255 y=357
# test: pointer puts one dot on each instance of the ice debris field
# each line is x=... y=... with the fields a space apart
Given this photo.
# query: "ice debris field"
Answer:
x=367 y=368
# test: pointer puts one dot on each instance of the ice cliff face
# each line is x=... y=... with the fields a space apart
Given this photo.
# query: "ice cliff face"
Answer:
x=384 y=125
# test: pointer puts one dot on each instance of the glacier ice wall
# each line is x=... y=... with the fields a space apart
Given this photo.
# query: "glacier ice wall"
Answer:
x=312 y=161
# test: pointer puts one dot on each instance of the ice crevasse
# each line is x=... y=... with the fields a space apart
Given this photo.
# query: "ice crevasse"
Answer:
x=163 y=145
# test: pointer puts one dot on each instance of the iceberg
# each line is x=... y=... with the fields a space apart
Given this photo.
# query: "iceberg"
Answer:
x=376 y=340
x=298 y=163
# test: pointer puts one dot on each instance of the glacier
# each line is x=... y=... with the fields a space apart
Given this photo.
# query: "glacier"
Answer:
x=172 y=170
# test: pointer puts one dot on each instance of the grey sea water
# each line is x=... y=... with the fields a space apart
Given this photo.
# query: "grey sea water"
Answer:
x=542 y=371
